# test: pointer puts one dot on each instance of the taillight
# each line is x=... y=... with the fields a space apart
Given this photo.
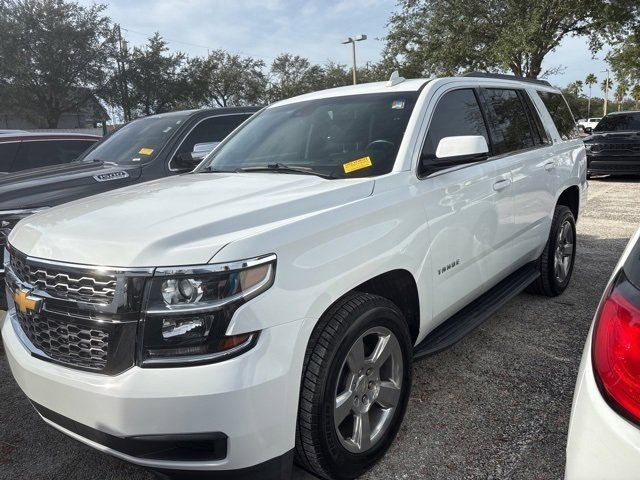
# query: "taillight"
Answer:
x=616 y=349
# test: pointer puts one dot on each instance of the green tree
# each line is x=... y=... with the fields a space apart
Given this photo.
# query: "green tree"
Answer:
x=575 y=88
x=292 y=75
x=53 y=56
x=591 y=80
x=226 y=79
x=635 y=94
x=625 y=58
x=454 y=36
x=620 y=93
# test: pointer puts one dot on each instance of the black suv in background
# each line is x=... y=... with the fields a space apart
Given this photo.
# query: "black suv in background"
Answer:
x=143 y=150
x=23 y=150
x=614 y=146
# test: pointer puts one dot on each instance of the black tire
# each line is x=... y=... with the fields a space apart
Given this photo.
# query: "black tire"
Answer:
x=318 y=447
x=547 y=284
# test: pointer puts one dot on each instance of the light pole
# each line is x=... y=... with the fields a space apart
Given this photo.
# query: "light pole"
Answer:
x=606 y=92
x=352 y=41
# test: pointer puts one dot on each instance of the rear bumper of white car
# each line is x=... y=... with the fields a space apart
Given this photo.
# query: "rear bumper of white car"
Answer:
x=239 y=411
x=601 y=445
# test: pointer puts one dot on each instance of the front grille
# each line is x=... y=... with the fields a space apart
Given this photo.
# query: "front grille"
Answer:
x=77 y=286
x=84 y=346
x=616 y=147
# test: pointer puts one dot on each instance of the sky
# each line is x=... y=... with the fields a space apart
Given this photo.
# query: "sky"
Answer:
x=312 y=29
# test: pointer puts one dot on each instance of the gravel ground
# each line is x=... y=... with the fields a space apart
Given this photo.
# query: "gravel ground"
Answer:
x=496 y=405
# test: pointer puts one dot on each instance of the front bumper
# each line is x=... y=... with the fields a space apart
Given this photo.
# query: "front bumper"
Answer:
x=601 y=444
x=613 y=164
x=250 y=400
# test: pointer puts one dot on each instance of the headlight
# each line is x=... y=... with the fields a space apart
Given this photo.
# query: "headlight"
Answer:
x=189 y=310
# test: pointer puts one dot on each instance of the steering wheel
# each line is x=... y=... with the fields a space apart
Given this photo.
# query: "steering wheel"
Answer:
x=380 y=143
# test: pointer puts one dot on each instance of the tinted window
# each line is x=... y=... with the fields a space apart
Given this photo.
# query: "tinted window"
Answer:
x=43 y=153
x=540 y=136
x=560 y=114
x=457 y=113
x=138 y=141
x=7 y=154
x=349 y=136
x=619 y=122
x=210 y=130
x=510 y=128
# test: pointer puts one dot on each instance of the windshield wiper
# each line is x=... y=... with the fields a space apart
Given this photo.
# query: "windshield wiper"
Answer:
x=281 y=167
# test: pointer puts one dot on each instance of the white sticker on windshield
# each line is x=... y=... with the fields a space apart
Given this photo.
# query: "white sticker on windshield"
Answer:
x=137 y=159
x=397 y=104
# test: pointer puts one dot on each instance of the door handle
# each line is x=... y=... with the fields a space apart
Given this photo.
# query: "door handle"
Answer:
x=501 y=184
x=549 y=166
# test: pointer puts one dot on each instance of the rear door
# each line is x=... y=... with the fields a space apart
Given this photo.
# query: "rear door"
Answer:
x=521 y=145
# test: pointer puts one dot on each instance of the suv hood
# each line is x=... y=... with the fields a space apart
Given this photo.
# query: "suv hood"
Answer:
x=56 y=184
x=178 y=220
x=613 y=137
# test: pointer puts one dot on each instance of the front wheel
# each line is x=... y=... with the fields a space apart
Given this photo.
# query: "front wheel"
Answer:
x=355 y=387
x=558 y=256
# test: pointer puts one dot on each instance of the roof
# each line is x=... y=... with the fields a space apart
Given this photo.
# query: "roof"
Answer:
x=414 y=85
x=14 y=137
x=218 y=111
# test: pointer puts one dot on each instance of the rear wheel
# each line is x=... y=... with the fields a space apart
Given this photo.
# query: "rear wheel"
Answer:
x=355 y=387
x=558 y=256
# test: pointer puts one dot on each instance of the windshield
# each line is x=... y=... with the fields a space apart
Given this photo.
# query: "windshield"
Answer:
x=340 y=137
x=619 y=122
x=136 y=142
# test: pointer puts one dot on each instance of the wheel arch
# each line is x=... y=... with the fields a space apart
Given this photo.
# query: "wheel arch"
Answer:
x=570 y=197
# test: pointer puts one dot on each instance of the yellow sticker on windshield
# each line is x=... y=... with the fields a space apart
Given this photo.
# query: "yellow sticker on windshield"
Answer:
x=145 y=151
x=358 y=164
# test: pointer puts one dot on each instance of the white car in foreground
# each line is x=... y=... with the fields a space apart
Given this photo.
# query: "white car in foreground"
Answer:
x=604 y=433
x=270 y=304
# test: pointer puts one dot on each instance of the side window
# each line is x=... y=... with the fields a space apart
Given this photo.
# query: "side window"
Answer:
x=211 y=130
x=510 y=128
x=49 y=152
x=560 y=113
x=457 y=113
x=7 y=154
x=541 y=137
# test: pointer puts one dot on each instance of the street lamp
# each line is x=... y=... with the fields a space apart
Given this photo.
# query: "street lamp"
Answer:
x=352 y=41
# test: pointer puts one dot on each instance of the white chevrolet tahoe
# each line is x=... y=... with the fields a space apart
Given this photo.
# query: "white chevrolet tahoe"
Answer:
x=269 y=306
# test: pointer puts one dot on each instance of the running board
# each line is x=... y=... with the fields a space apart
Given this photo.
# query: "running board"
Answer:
x=464 y=321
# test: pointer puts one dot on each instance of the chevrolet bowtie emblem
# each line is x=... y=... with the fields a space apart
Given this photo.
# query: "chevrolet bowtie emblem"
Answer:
x=26 y=303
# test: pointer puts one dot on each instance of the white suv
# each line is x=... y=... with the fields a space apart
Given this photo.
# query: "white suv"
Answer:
x=270 y=304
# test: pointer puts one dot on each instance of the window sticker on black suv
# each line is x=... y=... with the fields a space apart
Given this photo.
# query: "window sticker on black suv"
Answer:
x=560 y=113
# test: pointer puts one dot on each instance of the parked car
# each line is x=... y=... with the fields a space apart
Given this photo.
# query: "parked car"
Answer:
x=270 y=304
x=604 y=432
x=25 y=151
x=145 y=149
x=588 y=124
x=614 y=147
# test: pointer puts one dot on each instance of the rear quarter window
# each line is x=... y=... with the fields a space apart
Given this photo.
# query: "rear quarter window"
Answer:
x=560 y=114
x=7 y=154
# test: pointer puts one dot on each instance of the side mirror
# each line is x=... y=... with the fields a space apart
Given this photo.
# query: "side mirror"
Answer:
x=201 y=150
x=462 y=149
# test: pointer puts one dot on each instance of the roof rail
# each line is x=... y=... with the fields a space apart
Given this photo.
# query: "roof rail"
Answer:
x=502 y=76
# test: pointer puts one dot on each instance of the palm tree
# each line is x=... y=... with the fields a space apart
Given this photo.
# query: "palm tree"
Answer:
x=591 y=80
x=605 y=86
x=635 y=94
x=620 y=93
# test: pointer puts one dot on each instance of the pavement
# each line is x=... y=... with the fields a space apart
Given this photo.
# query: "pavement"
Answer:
x=494 y=406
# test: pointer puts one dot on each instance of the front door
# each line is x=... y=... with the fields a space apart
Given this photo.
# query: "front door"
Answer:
x=468 y=208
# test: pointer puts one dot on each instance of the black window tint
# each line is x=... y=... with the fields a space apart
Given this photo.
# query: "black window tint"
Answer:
x=510 y=128
x=43 y=153
x=540 y=133
x=211 y=130
x=7 y=154
x=457 y=113
x=619 y=122
x=560 y=114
